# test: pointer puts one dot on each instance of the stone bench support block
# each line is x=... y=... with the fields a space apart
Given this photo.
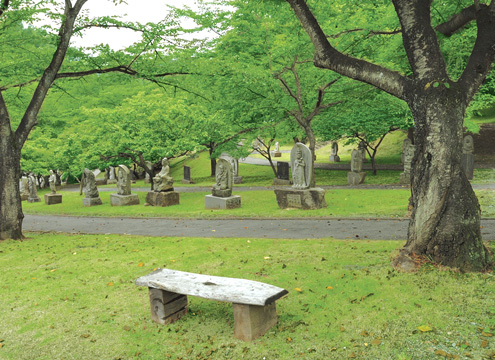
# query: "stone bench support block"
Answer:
x=308 y=199
x=123 y=200
x=51 y=199
x=251 y=321
x=215 y=202
x=167 y=307
x=163 y=198
x=34 y=199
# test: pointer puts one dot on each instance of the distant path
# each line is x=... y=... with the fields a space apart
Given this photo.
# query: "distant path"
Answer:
x=386 y=229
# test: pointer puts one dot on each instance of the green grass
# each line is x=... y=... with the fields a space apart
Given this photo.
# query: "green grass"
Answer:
x=73 y=297
x=255 y=204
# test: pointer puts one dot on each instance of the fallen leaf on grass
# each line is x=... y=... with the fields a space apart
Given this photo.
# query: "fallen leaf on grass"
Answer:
x=298 y=289
x=329 y=288
x=376 y=342
x=85 y=336
x=52 y=270
x=424 y=328
x=141 y=264
x=441 y=353
x=486 y=334
x=110 y=283
x=342 y=328
x=484 y=344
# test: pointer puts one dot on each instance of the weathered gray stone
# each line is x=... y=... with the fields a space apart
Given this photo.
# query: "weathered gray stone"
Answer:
x=224 y=175
x=307 y=199
x=123 y=180
x=221 y=193
x=124 y=200
x=333 y=154
x=283 y=170
x=237 y=179
x=187 y=176
x=355 y=178
x=92 y=201
x=51 y=199
x=283 y=182
x=301 y=164
x=163 y=198
x=215 y=202
x=163 y=181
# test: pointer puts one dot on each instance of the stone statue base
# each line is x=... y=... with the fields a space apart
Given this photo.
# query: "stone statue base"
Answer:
x=276 y=154
x=215 y=202
x=237 y=179
x=184 y=181
x=24 y=197
x=355 y=178
x=92 y=201
x=124 y=200
x=51 y=199
x=34 y=199
x=162 y=198
x=111 y=182
x=467 y=164
x=278 y=181
x=334 y=158
x=221 y=193
x=405 y=178
x=307 y=199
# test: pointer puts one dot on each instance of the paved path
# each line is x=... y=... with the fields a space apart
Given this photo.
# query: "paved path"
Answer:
x=388 y=229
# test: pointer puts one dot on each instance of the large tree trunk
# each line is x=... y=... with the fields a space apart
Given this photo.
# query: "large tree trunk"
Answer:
x=445 y=224
x=10 y=201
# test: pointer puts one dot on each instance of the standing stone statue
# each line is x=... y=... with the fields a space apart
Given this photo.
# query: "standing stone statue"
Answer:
x=301 y=195
x=334 y=157
x=356 y=176
x=24 y=188
x=123 y=196
x=163 y=193
x=467 y=160
x=88 y=185
x=163 y=181
x=276 y=151
x=300 y=158
x=53 y=197
x=408 y=154
x=111 y=175
x=362 y=148
x=221 y=192
x=33 y=191
x=234 y=163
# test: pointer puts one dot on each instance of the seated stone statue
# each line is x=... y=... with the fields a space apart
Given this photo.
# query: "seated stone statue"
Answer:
x=163 y=181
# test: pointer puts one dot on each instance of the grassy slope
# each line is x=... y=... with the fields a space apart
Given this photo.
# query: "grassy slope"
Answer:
x=66 y=297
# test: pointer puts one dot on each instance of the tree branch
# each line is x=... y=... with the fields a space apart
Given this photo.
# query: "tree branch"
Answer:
x=457 y=21
x=370 y=33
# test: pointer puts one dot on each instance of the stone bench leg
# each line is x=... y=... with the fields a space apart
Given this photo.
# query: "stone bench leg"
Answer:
x=251 y=321
x=167 y=307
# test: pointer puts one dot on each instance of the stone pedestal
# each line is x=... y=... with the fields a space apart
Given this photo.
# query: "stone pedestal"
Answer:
x=405 y=178
x=467 y=163
x=276 y=154
x=221 y=193
x=163 y=198
x=51 y=199
x=334 y=158
x=111 y=182
x=237 y=179
x=24 y=197
x=123 y=200
x=215 y=202
x=184 y=181
x=355 y=178
x=278 y=181
x=103 y=182
x=92 y=201
x=307 y=199
x=34 y=199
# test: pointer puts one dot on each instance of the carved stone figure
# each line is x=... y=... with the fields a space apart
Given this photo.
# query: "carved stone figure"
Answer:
x=33 y=191
x=300 y=158
x=467 y=159
x=111 y=173
x=223 y=175
x=277 y=147
x=123 y=180
x=221 y=192
x=52 y=180
x=88 y=185
x=356 y=161
x=24 y=188
x=334 y=152
x=163 y=181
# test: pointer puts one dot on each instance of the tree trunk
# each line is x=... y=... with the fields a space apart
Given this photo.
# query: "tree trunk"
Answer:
x=10 y=201
x=445 y=223
x=213 y=163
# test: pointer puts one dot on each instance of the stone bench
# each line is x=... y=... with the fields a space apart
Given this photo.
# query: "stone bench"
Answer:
x=253 y=302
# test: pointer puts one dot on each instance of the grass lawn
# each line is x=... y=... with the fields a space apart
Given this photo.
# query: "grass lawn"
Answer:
x=73 y=297
x=255 y=204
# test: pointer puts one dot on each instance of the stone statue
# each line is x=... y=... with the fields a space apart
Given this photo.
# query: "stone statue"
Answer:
x=334 y=152
x=467 y=145
x=123 y=180
x=163 y=181
x=52 y=180
x=33 y=192
x=300 y=158
x=277 y=147
x=88 y=184
x=221 y=176
x=356 y=161
x=111 y=175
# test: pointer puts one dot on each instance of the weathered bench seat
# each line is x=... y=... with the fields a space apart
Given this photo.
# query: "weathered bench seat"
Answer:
x=253 y=301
